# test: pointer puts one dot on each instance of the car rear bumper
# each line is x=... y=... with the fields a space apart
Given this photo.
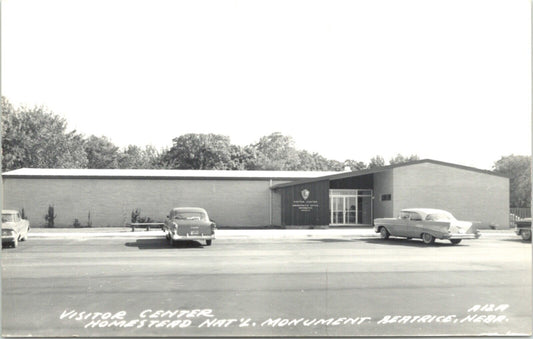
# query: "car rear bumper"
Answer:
x=462 y=235
x=175 y=236
x=8 y=238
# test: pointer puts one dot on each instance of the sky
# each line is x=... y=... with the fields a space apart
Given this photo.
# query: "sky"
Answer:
x=445 y=80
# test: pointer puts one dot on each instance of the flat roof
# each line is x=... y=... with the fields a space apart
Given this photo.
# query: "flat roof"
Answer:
x=350 y=174
x=83 y=173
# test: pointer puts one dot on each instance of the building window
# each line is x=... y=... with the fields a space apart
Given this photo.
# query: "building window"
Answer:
x=386 y=197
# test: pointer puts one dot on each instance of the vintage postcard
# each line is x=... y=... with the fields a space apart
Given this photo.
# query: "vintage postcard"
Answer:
x=259 y=168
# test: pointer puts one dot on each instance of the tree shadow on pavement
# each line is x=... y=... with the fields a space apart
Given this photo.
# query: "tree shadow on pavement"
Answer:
x=162 y=243
x=412 y=243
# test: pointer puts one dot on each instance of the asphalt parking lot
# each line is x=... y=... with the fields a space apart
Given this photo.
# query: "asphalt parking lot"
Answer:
x=310 y=283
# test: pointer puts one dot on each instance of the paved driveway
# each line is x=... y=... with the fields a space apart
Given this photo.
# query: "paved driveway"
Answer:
x=316 y=286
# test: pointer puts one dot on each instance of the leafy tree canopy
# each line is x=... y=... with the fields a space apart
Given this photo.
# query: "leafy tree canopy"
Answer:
x=400 y=159
x=518 y=169
x=101 y=152
x=376 y=162
x=136 y=157
x=35 y=137
x=355 y=165
x=199 y=151
x=277 y=152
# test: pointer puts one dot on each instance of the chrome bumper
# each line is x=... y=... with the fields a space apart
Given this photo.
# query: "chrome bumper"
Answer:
x=176 y=236
x=8 y=238
x=462 y=235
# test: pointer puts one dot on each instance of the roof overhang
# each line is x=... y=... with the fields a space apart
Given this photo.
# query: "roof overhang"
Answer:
x=352 y=174
x=52 y=173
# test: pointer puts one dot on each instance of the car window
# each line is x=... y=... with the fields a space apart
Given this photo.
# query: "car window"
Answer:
x=7 y=218
x=439 y=217
x=190 y=216
x=404 y=215
x=415 y=216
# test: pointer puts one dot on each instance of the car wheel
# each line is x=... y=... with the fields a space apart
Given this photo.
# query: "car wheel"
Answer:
x=526 y=234
x=384 y=233
x=455 y=241
x=428 y=238
x=208 y=242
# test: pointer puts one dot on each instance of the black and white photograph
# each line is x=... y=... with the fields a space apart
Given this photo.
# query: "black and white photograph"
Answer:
x=266 y=168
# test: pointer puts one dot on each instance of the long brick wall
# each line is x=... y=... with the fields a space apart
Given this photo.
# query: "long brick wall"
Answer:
x=234 y=203
x=469 y=195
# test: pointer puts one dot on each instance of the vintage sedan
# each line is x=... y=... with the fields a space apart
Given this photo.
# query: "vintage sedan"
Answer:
x=523 y=228
x=14 y=228
x=427 y=224
x=189 y=223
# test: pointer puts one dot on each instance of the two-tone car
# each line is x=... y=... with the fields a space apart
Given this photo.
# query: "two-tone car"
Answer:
x=189 y=223
x=14 y=228
x=427 y=224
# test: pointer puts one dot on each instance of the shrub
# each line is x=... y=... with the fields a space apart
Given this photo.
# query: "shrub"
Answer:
x=50 y=216
x=137 y=218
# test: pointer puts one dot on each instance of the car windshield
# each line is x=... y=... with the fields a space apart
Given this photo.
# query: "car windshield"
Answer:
x=8 y=217
x=440 y=217
x=190 y=216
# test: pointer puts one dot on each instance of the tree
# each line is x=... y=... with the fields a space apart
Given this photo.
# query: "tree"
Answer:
x=314 y=162
x=35 y=137
x=242 y=158
x=199 y=151
x=101 y=152
x=518 y=169
x=376 y=162
x=277 y=152
x=400 y=159
x=135 y=157
x=335 y=165
x=354 y=165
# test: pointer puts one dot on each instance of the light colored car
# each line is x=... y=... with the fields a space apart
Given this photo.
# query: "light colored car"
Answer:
x=189 y=223
x=427 y=224
x=523 y=228
x=14 y=228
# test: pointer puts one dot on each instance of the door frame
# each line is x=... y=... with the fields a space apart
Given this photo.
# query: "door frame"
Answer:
x=346 y=194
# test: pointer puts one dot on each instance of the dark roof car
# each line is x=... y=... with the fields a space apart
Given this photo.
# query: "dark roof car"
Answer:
x=189 y=223
x=14 y=228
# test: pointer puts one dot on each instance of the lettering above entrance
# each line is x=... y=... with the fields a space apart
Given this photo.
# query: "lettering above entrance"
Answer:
x=305 y=205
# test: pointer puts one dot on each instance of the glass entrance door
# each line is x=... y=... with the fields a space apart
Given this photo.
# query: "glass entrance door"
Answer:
x=337 y=210
x=350 y=207
x=351 y=210
x=343 y=210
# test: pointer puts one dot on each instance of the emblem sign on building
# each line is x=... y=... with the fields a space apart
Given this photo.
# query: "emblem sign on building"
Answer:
x=305 y=205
